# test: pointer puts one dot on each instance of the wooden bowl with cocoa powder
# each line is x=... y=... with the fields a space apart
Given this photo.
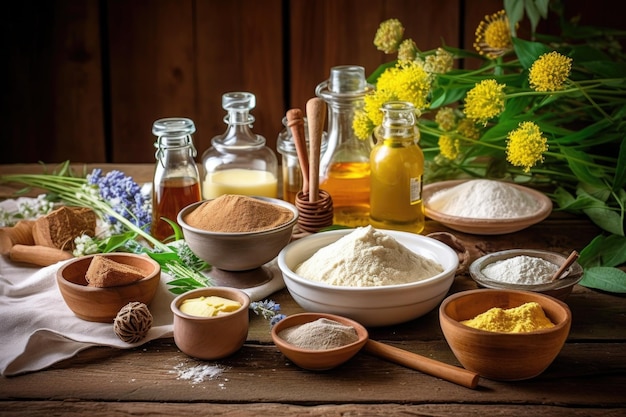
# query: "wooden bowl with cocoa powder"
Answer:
x=101 y=304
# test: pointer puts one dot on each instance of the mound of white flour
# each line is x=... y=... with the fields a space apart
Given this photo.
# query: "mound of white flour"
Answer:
x=483 y=199
x=367 y=257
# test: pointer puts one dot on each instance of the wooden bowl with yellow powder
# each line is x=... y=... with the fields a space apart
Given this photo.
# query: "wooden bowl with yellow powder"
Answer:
x=505 y=335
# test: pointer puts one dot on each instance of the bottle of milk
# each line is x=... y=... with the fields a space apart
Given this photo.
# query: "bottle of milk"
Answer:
x=239 y=162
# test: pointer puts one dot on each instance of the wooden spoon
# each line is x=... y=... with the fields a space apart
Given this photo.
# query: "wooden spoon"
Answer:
x=423 y=364
x=568 y=262
x=316 y=116
x=295 y=121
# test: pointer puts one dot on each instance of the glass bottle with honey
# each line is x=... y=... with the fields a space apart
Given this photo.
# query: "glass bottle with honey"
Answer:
x=239 y=162
x=345 y=167
x=397 y=168
x=176 y=181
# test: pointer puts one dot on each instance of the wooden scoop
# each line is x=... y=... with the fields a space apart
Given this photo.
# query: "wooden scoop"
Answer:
x=316 y=116
x=423 y=364
x=295 y=122
x=568 y=262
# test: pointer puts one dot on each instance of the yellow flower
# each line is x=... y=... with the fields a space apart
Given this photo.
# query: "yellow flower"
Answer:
x=388 y=36
x=485 y=101
x=549 y=72
x=407 y=81
x=407 y=51
x=374 y=102
x=362 y=125
x=493 y=35
x=440 y=63
x=445 y=118
x=526 y=145
x=449 y=147
x=467 y=128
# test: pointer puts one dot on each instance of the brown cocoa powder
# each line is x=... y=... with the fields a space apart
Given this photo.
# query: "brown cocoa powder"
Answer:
x=233 y=213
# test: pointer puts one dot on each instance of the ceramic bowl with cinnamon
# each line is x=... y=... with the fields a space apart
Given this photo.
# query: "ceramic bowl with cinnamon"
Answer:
x=238 y=250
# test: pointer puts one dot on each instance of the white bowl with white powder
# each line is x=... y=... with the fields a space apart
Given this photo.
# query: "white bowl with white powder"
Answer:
x=485 y=207
x=372 y=298
x=526 y=269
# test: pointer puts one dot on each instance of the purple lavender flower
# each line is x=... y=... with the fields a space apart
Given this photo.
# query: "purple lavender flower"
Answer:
x=124 y=196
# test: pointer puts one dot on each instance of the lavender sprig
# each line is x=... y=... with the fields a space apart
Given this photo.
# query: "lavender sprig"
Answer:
x=269 y=310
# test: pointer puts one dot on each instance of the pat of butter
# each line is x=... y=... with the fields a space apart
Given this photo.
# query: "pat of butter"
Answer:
x=209 y=306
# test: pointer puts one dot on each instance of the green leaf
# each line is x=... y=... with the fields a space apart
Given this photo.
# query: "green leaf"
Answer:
x=378 y=71
x=619 y=182
x=607 y=219
x=605 y=278
x=604 y=250
x=528 y=52
x=515 y=12
x=579 y=162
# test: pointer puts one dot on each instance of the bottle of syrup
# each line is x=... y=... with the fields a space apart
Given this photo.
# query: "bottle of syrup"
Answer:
x=239 y=162
x=345 y=166
x=176 y=179
x=397 y=168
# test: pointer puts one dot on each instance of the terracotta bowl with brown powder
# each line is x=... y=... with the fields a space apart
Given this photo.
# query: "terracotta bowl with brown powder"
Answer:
x=238 y=233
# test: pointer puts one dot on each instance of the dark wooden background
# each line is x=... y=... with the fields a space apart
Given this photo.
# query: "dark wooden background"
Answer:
x=84 y=79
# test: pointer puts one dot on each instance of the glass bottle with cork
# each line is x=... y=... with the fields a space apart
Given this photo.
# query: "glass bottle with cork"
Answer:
x=176 y=181
x=345 y=167
x=239 y=162
x=397 y=168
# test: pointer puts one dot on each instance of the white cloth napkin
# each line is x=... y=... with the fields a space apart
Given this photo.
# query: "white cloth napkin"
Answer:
x=37 y=329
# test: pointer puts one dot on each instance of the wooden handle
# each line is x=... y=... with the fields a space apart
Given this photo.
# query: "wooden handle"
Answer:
x=316 y=116
x=423 y=364
x=568 y=262
x=38 y=254
x=295 y=122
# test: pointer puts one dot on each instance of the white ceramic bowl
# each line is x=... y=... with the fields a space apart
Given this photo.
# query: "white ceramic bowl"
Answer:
x=486 y=226
x=370 y=306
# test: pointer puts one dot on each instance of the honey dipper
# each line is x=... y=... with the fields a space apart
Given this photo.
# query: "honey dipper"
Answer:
x=315 y=206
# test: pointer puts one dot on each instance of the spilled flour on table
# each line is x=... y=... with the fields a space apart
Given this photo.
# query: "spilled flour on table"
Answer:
x=198 y=373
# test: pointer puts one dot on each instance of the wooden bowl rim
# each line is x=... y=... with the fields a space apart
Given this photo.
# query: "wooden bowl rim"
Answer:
x=534 y=295
x=303 y=318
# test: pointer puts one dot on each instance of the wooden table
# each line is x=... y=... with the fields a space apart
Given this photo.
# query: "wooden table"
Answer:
x=588 y=378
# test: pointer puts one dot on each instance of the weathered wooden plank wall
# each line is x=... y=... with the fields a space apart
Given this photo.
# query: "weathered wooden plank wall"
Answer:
x=84 y=79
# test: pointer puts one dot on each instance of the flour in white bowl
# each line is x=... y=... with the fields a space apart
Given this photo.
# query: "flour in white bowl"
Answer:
x=367 y=257
x=483 y=199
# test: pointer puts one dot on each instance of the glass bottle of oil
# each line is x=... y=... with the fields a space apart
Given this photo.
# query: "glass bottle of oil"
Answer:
x=176 y=180
x=397 y=168
x=345 y=167
x=239 y=162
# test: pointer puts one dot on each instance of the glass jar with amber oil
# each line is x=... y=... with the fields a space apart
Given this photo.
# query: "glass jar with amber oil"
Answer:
x=345 y=167
x=239 y=162
x=176 y=181
x=396 y=171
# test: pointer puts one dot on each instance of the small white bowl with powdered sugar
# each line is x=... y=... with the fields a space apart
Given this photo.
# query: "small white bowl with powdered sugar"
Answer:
x=485 y=207
x=526 y=269
x=376 y=277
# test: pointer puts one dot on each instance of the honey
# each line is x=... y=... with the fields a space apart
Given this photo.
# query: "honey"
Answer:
x=171 y=196
x=349 y=185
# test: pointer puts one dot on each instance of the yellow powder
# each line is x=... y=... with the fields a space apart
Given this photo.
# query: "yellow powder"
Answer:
x=525 y=318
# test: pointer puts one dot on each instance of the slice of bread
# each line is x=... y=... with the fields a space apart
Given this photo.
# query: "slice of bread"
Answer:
x=104 y=272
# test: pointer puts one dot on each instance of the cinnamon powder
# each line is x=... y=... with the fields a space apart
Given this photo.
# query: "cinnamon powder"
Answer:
x=232 y=213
